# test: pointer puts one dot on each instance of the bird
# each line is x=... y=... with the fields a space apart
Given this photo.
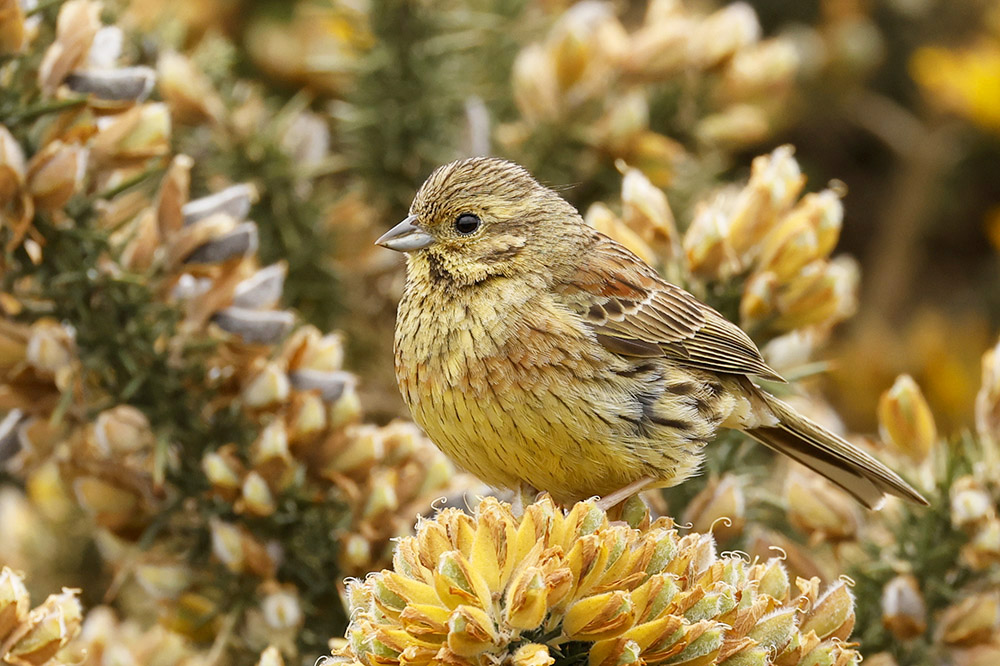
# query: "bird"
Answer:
x=541 y=355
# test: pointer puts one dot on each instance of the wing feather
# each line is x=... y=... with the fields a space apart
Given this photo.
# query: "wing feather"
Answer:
x=635 y=312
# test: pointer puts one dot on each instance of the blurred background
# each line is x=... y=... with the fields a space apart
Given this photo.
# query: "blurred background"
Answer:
x=896 y=99
x=202 y=428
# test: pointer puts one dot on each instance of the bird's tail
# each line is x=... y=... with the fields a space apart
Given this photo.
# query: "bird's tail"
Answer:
x=831 y=455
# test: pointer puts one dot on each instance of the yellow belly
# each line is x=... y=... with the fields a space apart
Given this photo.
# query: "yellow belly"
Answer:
x=535 y=402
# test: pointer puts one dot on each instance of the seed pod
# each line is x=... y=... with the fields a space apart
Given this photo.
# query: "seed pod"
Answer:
x=240 y=241
x=124 y=84
x=253 y=326
x=263 y=289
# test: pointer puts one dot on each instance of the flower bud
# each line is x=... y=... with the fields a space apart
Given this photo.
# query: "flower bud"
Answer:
x=11 y=27
x=307 y=417
x=773 y=632
x=973 y=620
x=604 y=220
x=823 y=292
x=719 y=508
x=818 y=509
x=12 y=166
x=526 y=602
x=533 y=654
x=257 y=496
x=622 y=124
x=645 y=209
x=983 y=550
x=599 y=616
x=76 y=27
x=110 y=506
x=988 y=401
x=122 y=430
x=270 y=386
x=186 y=89
x=163 y=581
x=832 y=616
x=575 y=47
x=14 y=602
x=790 y=247
x=239 y=551
x=905 y=419
x=736 y=126
x=724 y=33
x=706 y=243
x=903 y=609
x=222 y=469
x=281 y=608
x=51 y=347
x=55 y=174
x=760 y=69
x=535 y=87
x=773 y=579
x=271 y=656
x=775 y=182
x=470 y=631
x=971 y=504
x=53 y=624
x=140 y=133
x=457 y=582
x=660 y=48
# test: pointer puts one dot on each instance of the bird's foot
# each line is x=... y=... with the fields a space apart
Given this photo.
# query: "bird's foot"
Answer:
x=613 y=499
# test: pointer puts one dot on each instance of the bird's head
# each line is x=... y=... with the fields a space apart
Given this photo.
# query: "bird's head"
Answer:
x=485 y=217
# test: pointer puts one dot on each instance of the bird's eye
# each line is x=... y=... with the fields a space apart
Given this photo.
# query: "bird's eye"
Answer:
x=467 y=223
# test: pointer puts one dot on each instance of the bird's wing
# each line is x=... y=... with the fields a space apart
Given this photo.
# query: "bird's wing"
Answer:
x=636 y=313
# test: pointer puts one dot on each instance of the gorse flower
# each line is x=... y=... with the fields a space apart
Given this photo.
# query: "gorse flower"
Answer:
x=33 y=637
x=556 y=587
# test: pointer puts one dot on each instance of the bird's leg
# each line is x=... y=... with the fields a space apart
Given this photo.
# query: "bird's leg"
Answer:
x=622 y=494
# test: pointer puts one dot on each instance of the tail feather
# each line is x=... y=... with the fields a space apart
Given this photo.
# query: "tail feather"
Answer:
x=824 y=452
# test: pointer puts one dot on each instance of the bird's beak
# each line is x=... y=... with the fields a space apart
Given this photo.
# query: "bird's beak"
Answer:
x=406 y=237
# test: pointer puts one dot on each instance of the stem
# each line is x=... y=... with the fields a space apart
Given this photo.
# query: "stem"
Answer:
x=924 y=154
x=42 y=6
x=50 y=107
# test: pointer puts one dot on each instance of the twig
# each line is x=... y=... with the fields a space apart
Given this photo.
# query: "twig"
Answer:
x=924 y=153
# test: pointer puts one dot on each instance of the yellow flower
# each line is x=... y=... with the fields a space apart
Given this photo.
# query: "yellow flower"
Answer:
x=492 y=587
x=965 y=81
